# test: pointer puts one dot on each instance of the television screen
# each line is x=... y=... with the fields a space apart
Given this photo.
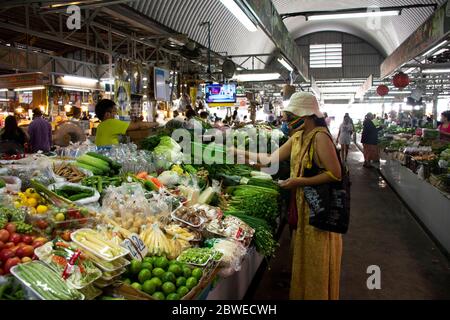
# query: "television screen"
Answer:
x=220 y=93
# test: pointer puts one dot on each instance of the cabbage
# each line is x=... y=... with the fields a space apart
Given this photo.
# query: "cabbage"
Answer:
x=169 y=149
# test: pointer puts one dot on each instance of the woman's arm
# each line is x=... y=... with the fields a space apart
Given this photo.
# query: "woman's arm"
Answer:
x=326 y=153
x=279 y=155
x=140 y=125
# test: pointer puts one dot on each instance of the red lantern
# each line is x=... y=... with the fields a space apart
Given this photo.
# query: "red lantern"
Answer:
x=382 y=90
x=400 y=80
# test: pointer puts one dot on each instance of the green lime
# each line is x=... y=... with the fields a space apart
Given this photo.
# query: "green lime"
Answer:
x=158 y=272
x=159 y=295
x=197 y=273
x=168 y=287
x=157 y=282
x=162 y=262
x=144 y=275
x=136 y=285
x=127 y=281
x=135 y=266
x=181 y=281
x=149 y=260
x=191 y=282
x=147 y=265
x=173 y=296
x=182 y=291
x=169 y=277
x=149 y=287
x=176 y=270
x=187 y=272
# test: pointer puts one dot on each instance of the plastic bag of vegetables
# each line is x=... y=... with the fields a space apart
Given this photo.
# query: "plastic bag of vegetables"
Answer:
x=170 y=149
x=169 y=178
x=233 y=253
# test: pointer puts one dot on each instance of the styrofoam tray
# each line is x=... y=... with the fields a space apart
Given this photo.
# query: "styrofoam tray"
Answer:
x=202 y=220
x=72 y=236
x=15 y=274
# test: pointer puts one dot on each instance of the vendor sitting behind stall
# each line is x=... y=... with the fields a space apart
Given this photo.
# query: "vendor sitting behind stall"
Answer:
x=110 y=128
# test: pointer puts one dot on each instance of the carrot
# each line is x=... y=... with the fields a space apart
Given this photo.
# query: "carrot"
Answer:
x=156 y=182
x=142 y=175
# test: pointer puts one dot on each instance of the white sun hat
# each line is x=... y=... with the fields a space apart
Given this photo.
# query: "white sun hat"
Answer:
x=304 y=104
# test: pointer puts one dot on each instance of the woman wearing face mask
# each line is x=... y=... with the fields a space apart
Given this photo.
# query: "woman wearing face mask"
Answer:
x=291 y=123
x=110 y=128
x=314 y=161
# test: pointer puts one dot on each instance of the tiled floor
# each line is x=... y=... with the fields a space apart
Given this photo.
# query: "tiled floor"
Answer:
x=382 y=233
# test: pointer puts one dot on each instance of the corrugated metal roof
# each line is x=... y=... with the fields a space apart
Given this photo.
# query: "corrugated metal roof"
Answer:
x=228 y=34
x=393 y=30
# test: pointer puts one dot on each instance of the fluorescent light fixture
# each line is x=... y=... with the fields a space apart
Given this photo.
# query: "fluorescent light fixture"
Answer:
x=4 y=100
x=285 y=64
x=75 y=89
x=145 y=79
x=435 y=48
x=80 y=79
x=277 y=94
x=352 y=15
x=29 y=89
x=239 y=69
x=380 y=98
x=400 y=92
x=436 y=71
x=439 y=52
x=233 y=7
x=3 y=90
x=257 y=76
x=261 y=92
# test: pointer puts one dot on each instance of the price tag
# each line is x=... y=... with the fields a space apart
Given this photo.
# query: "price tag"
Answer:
x=134 y=244
x=130 y=247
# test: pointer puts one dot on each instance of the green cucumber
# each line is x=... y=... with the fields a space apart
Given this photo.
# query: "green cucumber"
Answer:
x=94 y=170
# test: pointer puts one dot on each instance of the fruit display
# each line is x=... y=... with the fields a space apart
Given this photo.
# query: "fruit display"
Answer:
x=45 y=282
x=162 y=278
x=33 y=200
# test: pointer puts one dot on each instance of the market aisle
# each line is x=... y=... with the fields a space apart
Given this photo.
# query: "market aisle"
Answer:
x=382 y=233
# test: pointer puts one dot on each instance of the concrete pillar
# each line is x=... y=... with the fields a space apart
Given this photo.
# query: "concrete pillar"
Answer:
x=435 y=111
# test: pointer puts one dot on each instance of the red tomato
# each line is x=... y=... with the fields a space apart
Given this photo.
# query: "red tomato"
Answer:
x=42 y=224
x=5 y=254
x=2 y=245
x=25 y=251
x=11 y=262
x=27 y=239
x=15 y=237
x=11 y=227
x=9 y=245
x=4 y=235
x=38 y=244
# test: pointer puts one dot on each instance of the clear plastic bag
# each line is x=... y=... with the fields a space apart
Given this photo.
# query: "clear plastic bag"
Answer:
x=127 y=206
x=233 y=254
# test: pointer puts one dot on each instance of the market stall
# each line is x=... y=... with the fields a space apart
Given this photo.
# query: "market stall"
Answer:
x=129 y=223
x=416 y=165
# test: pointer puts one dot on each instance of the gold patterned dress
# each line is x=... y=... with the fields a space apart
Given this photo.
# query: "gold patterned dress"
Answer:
x=317 y=254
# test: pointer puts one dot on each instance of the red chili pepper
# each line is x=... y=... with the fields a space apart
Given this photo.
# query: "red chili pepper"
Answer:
x=156 y=182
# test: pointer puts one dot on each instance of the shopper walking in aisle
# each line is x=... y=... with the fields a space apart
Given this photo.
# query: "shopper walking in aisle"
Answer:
x=369 y=140
x=344 y=137
x=316 y=254
x=40 y=132
x=110 y=128
x=444 y=127
x=12 y=138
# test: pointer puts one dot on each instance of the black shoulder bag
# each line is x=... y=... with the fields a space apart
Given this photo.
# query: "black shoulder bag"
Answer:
x=329 y=203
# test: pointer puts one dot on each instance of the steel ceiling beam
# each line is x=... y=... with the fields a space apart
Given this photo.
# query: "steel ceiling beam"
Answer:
x=355 y=10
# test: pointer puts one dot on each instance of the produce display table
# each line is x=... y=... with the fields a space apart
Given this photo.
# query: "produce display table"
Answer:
x=428 y=203
x=236 y=286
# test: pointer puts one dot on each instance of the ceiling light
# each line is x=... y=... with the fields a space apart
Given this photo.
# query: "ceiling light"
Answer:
x=380 y=98
x=145 y=78
x=400 y=92
x=236 y=10
x=435 y=48
x=436 y=71
x=365 y=14
x=285 y=64
x=80 y=79
x=257 y=76
x=439 y=52
x=29 y=89
x=75 y=89
x=3 y=90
